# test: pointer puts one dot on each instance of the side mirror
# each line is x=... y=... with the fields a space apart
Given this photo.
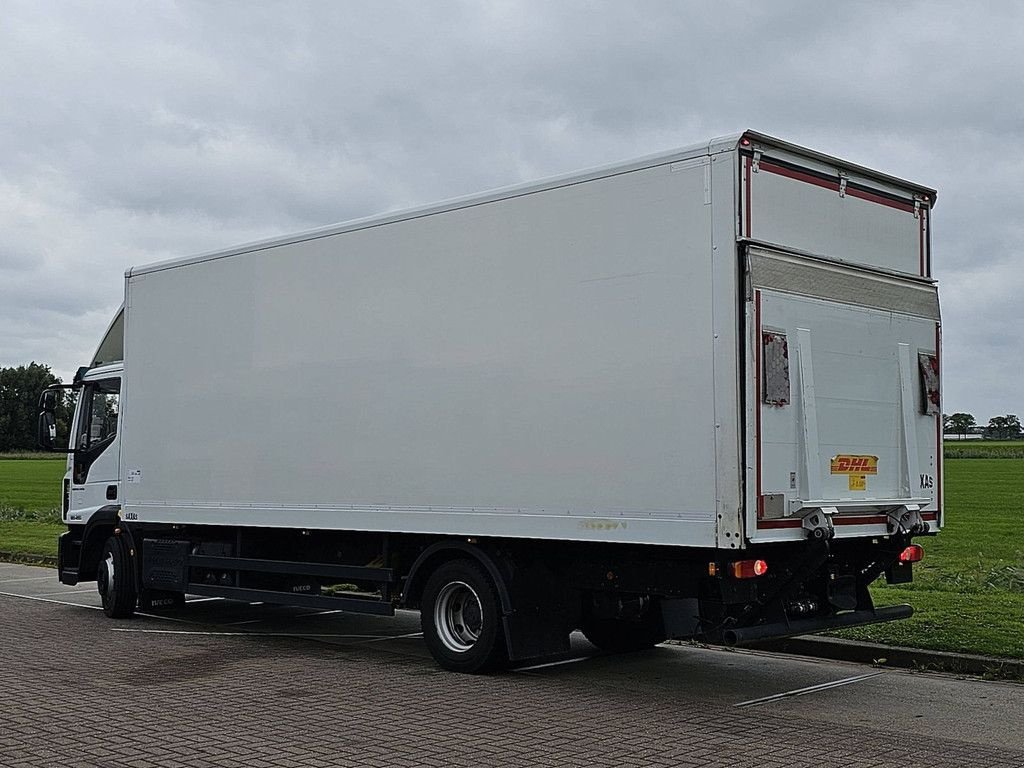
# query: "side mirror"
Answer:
x=47 y=434
x=48 y=401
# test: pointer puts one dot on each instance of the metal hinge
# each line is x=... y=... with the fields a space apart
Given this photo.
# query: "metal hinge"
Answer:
x=842 y=183
x=907 y=520
x=755 y=164
x=818 y=523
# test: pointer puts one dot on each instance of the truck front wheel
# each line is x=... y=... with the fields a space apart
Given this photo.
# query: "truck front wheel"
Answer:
x=461 y=618
x=115 y=579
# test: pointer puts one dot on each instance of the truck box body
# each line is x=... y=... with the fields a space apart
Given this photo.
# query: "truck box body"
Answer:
x=570 y=360
x=695 y=395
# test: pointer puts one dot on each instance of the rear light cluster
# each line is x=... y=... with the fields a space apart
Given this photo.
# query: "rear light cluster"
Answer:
x=912 y=554
x=741 y=569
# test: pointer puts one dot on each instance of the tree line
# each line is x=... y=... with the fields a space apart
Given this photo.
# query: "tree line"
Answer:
x=20 y=388
x=998 y=428
x=19 y=405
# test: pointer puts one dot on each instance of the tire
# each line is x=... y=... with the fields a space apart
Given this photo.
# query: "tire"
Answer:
x=460 y=614
x=115 y=579
x=621 y=636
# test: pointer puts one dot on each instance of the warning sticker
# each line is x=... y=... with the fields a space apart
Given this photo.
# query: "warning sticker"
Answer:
x=858 y=483
x=854 y=465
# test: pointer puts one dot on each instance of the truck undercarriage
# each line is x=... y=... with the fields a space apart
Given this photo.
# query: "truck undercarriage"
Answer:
x=623 y=598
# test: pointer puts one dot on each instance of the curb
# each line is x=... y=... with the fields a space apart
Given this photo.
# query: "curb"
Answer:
x=23 y=558
x=896 y=656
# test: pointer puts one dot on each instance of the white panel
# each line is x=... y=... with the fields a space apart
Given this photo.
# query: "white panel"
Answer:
x=801 y=215
x=858 y=397
x=547 y=354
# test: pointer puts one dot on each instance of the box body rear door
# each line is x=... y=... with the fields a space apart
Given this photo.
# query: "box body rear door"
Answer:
x=844 y=393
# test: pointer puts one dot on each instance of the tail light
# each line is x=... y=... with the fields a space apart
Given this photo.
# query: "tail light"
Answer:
x=748 y=569
x=912 y=554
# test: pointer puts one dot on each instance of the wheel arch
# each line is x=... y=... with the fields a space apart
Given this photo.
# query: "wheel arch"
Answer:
x=101 y=525
x=445 y=551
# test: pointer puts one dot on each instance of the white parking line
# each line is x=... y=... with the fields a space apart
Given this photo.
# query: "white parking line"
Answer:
x=247 y=634
x=391 y=637
x=66 y=592
x=50 y=600
x=553 y=664
x=275 y=618
x=165 y=617
x=809 y=689
x=90 y=607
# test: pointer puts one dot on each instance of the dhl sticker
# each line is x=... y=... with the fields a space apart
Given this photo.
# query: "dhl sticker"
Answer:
x=854 y=465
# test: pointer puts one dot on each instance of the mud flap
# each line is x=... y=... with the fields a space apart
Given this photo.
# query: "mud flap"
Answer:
x=543 y=615
x=680 y=617
x=69 y=554
x=535 y=633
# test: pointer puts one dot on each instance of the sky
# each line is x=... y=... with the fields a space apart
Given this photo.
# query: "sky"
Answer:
x=136 y=132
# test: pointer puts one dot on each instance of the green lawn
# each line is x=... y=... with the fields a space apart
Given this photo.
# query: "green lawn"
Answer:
x=22 y=537
x=30 y=504
x=30 y=485
x=968 y=592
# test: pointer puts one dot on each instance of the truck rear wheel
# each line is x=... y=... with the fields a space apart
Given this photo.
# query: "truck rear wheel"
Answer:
x=461 y=618
x=621 y=635
x=115 y=579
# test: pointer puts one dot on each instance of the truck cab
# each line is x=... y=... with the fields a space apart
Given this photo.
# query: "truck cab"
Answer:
x=91 y=485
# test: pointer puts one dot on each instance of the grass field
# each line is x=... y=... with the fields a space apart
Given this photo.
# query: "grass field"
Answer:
x=968 y=593
x=30 y=484
x=30 y=503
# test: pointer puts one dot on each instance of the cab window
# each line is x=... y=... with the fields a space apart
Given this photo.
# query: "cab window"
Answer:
x=97 y=423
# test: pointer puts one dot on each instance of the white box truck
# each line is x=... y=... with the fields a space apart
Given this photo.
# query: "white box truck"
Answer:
x=694 y=395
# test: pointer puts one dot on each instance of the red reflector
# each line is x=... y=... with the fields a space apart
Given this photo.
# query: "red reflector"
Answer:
x=912 y=554
x=748 y=569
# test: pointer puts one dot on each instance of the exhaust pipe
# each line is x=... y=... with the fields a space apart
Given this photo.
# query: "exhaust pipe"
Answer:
x=781 y=629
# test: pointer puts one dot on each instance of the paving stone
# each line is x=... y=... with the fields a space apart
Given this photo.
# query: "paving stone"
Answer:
x=73 y=692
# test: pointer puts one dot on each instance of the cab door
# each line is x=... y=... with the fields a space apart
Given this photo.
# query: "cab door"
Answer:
x=94 y=464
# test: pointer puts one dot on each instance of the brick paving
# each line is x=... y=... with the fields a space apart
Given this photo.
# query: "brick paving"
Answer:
x=75 y=693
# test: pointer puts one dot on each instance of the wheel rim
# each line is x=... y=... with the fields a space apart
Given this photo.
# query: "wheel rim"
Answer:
x=458 y=616
x=107 y=583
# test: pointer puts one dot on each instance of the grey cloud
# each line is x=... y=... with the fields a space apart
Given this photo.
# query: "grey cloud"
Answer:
x=138 y=132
